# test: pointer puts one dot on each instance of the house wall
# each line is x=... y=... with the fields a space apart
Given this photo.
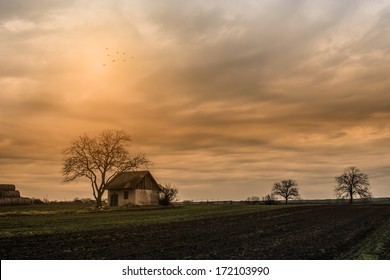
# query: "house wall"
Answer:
x=136 y=197
x=121 y=194
x=146 y=197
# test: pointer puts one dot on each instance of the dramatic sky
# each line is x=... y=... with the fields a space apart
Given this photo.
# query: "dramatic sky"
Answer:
x=225 y=97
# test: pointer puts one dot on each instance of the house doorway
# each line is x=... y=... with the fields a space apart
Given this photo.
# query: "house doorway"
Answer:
x=114 y=199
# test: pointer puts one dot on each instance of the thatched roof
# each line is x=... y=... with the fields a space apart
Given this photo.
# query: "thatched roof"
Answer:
x=130 y=180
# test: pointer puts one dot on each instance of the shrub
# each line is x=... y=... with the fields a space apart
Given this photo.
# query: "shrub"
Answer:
x=270 y=199
x=253 y=200
x=37 y=201
x=168 y=194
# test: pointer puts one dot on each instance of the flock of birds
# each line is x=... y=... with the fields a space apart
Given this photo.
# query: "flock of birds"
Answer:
x=116 y=56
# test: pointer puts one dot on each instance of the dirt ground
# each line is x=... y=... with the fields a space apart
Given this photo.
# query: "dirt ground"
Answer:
x=304 y=232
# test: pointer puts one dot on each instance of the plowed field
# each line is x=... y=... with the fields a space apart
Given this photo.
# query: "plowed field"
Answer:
x=303 y=232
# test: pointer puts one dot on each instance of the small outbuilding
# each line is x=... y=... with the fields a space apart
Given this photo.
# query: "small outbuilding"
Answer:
x=133 y=188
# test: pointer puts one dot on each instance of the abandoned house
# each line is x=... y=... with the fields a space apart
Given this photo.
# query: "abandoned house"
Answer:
x=135 y=188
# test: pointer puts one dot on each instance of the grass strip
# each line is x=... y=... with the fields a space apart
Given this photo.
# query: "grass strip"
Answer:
x=64 y=219
x=376 y=246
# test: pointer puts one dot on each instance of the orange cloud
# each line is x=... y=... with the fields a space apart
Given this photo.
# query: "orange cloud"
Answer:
x=225 y=98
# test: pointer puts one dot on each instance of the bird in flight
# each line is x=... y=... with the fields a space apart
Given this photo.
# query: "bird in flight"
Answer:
x=116 y=56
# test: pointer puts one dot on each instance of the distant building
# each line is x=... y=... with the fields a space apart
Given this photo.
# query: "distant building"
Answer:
x=133 y=188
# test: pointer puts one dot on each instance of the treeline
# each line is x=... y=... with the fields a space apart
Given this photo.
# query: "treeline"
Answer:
x=260 y=201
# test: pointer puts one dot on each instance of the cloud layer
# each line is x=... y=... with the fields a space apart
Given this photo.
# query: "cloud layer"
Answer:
x=226 y=98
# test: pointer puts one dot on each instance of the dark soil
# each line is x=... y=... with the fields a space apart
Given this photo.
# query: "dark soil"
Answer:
x=305 y=232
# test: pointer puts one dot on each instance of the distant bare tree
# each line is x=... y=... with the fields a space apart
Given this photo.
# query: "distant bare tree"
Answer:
x=99 y=159
x=253 y=199
x=168 y=194
x=270 y=199
x=351 y=183
x=286 y=189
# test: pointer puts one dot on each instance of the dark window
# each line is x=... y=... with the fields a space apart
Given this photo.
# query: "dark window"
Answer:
x=126 y=195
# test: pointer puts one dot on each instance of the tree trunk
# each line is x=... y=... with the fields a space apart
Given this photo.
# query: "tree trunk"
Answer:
x=286 y=200
x=350 y=198
x=99 y=200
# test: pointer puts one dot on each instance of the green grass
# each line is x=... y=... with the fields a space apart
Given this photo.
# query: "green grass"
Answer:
x=44 y=209
x=49 y=219
x=376 y=246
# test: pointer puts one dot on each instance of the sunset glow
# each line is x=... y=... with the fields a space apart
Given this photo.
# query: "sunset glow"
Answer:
x=225 y=97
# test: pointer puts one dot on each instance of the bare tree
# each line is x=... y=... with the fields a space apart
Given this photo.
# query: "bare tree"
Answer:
x=286 y=189
x=168 y=194
x=270 y=199
x=99 y=159
x=351 y=183
x=253 y=199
